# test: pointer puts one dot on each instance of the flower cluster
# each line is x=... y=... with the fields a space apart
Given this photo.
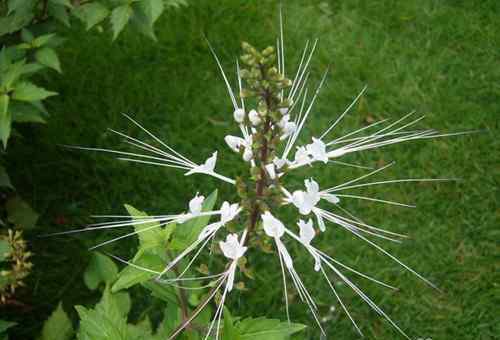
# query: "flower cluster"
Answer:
x=271 y=110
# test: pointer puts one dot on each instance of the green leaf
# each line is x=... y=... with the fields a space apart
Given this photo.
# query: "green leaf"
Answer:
x=48 y=57
x=11 y=74
x=27 y=91
x=152 y=9
x=66 y=3
x=23 y=112
x=59 y=12
x=26 y=35
x=161 y=291
x=15 y=5
x=267 y=329
x=91 y=14
x=16 y=21
x=171 y=319
x=101 y=269
x=131 y=275
x=5 y=179
x=5 y=119
x=229 y=332
x=107 y=321
x=20 y=213
x=5 y=249
x=43 y=40
x=150 y=234
x=119 y=18
x=58 y=326
x=5 y=325
x=188 y=232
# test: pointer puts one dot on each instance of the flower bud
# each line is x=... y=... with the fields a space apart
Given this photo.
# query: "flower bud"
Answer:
x=239 y=115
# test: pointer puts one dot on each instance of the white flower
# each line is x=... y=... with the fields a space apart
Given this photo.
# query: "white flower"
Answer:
x=307 y=232
x=254 y=117
x=305 y=201
x=302 y=156
x=271 y=170
x=239 y=115
x=317 y=149
x=283 y=110
x=287 y=126
x=205 y=168
x=228 y=212
x=234 y=142
x=247 y=154
x=195 y=204
x=272 y=226
x=232 y=248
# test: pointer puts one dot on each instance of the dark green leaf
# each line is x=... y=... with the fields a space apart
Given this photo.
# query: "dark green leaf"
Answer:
x=66 y=3
x=59 y=12
x=26 y=35
x=119 y=18
x=4 y=325
x=43 y=40
x=229 y=332
x=101 y=269
x=20 y=213
x=11 y=74
x=5 y=179
x=26 y=91
x=23 y=112
x=152 y=9
x=58 y=326
x=91 y=14
x=161 y=291
x=48 y=57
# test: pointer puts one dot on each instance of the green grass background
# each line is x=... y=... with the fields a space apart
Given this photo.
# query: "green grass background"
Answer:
x=441 y=58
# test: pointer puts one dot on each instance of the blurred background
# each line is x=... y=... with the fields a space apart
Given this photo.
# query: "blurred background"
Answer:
x=440 y=58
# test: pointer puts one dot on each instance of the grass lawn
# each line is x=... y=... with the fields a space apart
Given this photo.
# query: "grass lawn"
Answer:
x=440 y=58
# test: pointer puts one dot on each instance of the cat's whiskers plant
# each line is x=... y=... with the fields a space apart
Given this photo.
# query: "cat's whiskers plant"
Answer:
x=271 y=112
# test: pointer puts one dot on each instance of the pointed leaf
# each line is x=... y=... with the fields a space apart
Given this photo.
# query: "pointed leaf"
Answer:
x=119 y=18
x=48 y=57
x=59 y=12
x=58 y=326
x=5 y=325
x=131 y=275
x=26 y=91
x=5 y=119
x=267 y=329
x=101 y=269
x=91 y=14
x=152 y=9
x=43 y=40
x=23 y=112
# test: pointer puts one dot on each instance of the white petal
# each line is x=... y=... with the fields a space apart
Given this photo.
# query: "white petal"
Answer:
x=247 y=154
x=254 y=117
x=234 y=142
x=239 y=115
x=330 y=198
x=272 y=226
x=307 y=231
x=195 y=204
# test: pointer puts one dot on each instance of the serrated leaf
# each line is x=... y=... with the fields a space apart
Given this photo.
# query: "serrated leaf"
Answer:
x=267 y=329
x=58 y=326
x=11 y=74
x=140 y=23
x=5 y=119
x=101 y=269
x=31 y=68
x=27 y=91
x=119 y=18
x=188 y=232
x=20 y=213
x=48 y=57
x=150 y=234
x=131 y=275
x=107 y=321
x=16 y=21
x=91 y=14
